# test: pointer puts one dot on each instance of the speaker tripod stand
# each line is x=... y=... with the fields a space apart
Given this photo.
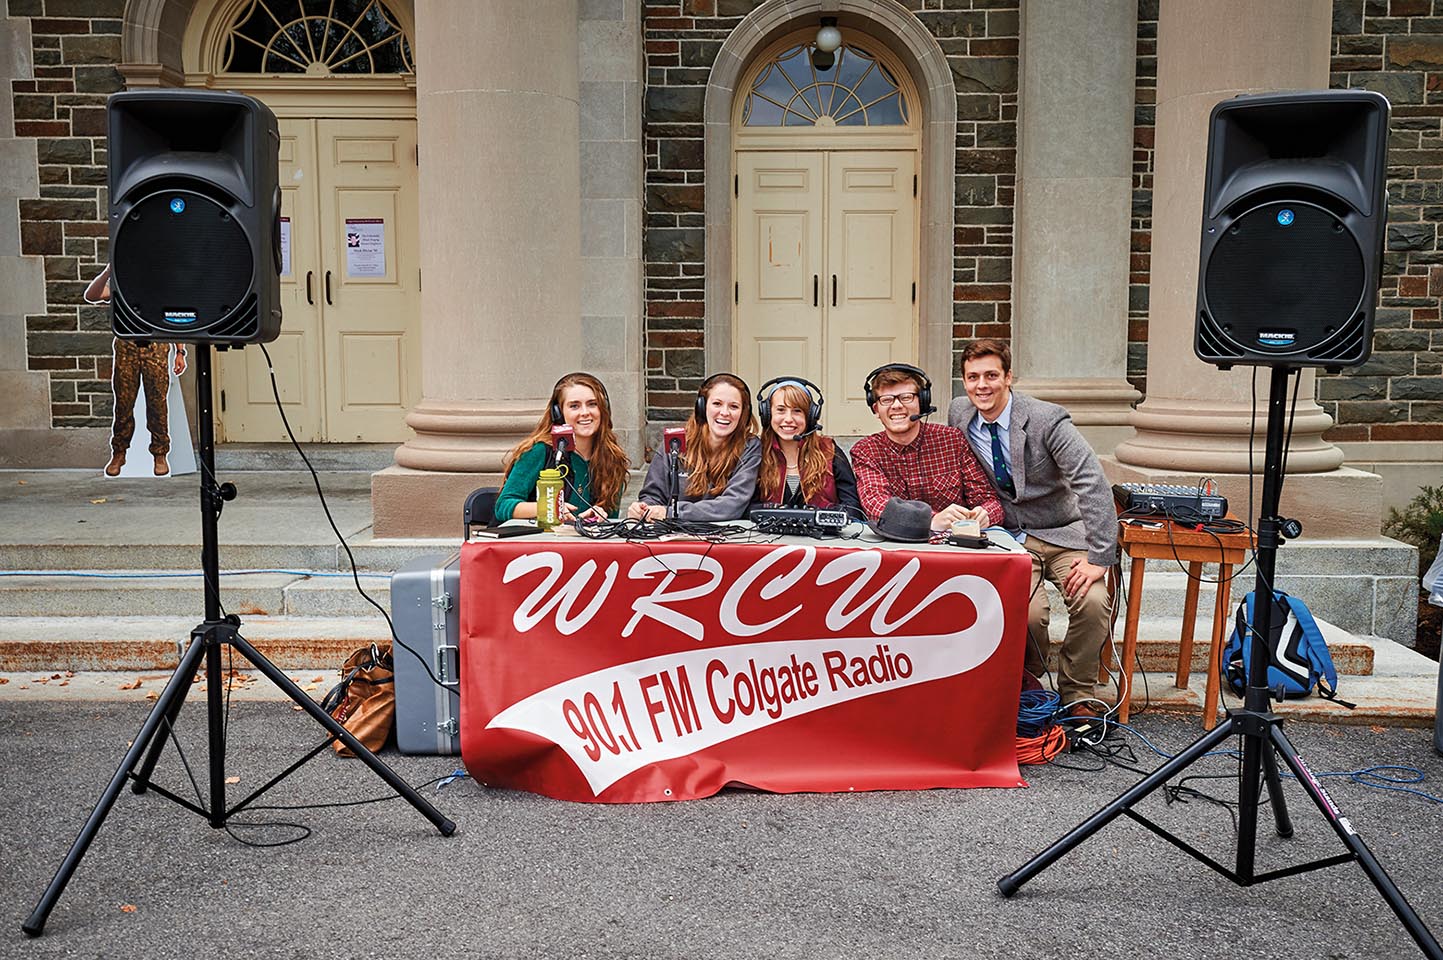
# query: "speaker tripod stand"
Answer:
x=207 y=641
x=1263 y=742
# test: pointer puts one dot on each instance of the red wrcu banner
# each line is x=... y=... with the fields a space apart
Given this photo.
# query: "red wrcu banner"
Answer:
x=622 y=672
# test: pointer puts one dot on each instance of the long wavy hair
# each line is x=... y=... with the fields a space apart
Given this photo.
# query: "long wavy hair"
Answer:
x=711 y=468
x=814 y=454
x=608 y=462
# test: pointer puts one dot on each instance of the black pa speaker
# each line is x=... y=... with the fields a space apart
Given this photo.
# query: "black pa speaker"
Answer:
x=195 y=244
x=1294 y=218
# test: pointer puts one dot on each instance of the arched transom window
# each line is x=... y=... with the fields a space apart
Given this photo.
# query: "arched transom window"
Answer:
x=317 y=37
x=856 y=90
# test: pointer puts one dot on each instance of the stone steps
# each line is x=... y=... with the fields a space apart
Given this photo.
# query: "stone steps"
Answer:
x=288 y=585
x=46 y=619
x=166 y=594
x=50 y=644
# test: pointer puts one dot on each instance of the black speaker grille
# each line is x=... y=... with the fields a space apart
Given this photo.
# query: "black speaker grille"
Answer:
x=183 y=265
x=1284 y=278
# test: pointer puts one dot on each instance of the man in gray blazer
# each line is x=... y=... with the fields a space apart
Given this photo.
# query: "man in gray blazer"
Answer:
x=1056 y=501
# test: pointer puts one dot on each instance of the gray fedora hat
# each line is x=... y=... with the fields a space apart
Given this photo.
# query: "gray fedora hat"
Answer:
x=905 y=521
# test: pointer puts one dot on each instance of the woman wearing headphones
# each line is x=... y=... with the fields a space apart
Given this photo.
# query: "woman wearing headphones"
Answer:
x=716 y=472
x=801 y=467
x=596 y=464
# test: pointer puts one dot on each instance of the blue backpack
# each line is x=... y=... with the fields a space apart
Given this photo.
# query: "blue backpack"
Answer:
x=1298 y=658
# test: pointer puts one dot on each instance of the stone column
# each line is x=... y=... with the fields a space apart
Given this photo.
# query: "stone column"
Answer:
x=500 y=193
x=612 y=161
x=1196 y=419
x=1074 y=207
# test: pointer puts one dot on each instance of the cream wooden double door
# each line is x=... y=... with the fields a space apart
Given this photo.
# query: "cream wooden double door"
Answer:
x=826 y=255
x=347 y=361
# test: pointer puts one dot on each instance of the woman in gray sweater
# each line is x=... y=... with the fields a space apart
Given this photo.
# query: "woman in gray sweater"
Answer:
x=717 y=474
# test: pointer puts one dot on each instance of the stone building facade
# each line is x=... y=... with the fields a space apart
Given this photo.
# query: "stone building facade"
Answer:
x=66 y=54
x=56 y=361
x=575 y=166
x=683 y=38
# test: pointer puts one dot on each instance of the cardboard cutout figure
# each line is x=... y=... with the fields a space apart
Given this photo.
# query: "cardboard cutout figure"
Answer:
x=152 y=370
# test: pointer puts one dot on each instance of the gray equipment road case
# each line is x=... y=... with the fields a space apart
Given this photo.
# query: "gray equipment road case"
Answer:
x=425 y=607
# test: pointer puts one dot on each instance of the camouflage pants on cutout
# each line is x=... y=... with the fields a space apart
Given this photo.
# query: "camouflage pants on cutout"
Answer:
x=138 y=364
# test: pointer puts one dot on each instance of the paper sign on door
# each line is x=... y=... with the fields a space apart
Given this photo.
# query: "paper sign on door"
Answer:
x=366 y=248
x=285 y=246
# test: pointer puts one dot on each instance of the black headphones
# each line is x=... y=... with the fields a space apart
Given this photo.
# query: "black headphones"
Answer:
x=924 y=385
x=814 y=407
x=699 y=408
x=557 y=417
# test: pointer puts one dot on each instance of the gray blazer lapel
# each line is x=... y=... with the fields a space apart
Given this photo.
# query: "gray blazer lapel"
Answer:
x=1018 y=440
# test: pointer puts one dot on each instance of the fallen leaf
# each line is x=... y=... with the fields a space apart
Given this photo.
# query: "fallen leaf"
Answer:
x=64 y=683
x=23 y=686
x=98 y=500
x=4 y=680
x=297 y=707
x=56 y=676
x=232 y=779
x=152 y=695
x=311 y=686
x=132 y=685
x=127 y=908
x=317 y=679
x=21 y=482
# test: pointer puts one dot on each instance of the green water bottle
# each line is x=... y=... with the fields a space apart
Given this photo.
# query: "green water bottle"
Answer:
x=548 y=499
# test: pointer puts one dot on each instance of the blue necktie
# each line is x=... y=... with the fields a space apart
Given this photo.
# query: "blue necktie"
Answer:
x=999 y=463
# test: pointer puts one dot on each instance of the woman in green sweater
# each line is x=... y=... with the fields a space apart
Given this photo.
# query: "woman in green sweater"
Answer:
x=595 y=469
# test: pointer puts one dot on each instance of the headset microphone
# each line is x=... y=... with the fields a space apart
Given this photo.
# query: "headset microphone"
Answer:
x=674 y=440
x=924 y=412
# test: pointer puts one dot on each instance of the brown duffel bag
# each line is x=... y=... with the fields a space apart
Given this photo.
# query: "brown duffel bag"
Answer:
x=365 y=699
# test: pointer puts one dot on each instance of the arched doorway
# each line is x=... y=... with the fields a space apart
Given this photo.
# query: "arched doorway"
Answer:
x=340 y=76
x=825 y=217
x=921 y=68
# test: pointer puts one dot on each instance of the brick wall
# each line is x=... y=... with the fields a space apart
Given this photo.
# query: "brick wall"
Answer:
x=75 y=45
x=1396 y=48
x=682 y=38
x=1140 y=258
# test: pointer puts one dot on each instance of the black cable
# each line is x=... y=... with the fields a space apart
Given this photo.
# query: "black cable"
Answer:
x=354 y=803
x=355 y=575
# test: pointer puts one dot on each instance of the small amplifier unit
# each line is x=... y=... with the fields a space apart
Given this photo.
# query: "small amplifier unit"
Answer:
x=798 y=521
x=1170 y=499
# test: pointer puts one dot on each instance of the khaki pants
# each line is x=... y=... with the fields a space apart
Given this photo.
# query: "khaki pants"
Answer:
x=1088 y=618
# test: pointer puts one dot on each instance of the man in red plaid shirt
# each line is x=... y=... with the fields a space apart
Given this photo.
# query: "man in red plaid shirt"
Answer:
x=916 y=460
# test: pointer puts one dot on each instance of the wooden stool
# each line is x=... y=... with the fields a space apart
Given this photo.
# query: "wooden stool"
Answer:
x=1171 y=541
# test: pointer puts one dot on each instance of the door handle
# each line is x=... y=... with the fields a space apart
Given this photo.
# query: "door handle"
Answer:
x=834 y=289
x=328 y=289
x=309 y=274
x=815 y=280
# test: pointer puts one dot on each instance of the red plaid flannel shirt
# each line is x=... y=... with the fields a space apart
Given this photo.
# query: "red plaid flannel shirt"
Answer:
x=937 y=467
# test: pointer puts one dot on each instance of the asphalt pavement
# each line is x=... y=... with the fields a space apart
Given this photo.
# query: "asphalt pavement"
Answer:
x=741 y=874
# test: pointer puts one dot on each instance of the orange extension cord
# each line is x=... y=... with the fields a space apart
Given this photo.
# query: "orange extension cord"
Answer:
x=1042 y=748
